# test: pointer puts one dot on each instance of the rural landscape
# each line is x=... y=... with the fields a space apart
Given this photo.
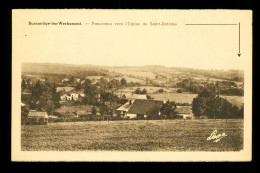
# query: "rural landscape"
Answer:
x=68 y=107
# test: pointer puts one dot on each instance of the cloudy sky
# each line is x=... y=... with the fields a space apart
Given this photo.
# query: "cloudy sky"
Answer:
x=182 y=45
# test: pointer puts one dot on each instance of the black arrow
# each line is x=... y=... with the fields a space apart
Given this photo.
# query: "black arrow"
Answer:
x=239 y=54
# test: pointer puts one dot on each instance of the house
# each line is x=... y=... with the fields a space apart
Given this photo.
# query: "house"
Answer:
x=142 y=109
x=65 y=97
x=37 y=117
x=65 y=80
x=184 y=112
x=122 y=110
x=82 y=81
x=70 y=97
x=76 y=80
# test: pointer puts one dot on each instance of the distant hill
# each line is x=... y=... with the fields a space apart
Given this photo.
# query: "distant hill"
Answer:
x=58 y=68
x=71 y=69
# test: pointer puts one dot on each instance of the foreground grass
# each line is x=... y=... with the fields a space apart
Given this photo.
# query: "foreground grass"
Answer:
x=152 y=135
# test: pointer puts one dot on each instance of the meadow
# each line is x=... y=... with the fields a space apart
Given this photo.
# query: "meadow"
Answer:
x=188 y=98
x=133 y=135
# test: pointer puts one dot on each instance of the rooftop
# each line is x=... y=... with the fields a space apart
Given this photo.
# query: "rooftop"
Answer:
x=125 y=107
x=146 y=107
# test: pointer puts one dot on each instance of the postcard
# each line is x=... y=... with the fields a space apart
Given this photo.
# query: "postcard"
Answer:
x=131 y=85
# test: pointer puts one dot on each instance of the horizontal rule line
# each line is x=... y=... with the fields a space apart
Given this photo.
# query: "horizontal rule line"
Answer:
x=210 y=24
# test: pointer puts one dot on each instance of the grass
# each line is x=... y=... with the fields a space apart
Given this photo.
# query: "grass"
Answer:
x=188 y=98
x=152 y=135
x=176 y=97
x=67 y=89
x=74 y=108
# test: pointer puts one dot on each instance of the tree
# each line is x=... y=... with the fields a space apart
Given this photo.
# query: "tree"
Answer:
x=78 y=87
x=207 y=93
x=138 y=91
x=44 y=97
x=72 y=79
x=212 y=106
x=179 y=91
x=199 y=106
x=94 y=110
x=23 y=85
x=160 y=90
x=114 y=84
x=105 y=110
x=144 y=91
x=123 y=82
x=168 y=109
x=91 y=93
x=241 y=112
x=148 y=97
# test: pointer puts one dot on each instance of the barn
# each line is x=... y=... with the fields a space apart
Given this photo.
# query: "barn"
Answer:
x=37 y=117
x=144 y=109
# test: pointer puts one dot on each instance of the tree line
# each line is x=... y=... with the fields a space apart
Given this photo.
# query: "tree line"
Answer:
x=208 y=104
x=223 y=87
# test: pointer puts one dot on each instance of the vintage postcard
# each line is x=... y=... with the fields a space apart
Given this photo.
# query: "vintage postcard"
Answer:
x=131 y=85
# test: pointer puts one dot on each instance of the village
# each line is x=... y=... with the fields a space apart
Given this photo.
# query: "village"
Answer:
x=116 y=96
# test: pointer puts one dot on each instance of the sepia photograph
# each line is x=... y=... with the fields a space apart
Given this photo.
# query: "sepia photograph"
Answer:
x=131 y=85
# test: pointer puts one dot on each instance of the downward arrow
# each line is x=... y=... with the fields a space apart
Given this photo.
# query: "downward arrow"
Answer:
x=239 y=54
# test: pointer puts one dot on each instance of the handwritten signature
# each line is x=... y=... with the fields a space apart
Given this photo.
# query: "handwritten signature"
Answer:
x=216 y=137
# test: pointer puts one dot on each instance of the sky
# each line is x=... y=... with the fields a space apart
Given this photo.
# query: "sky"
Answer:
x=205 y=47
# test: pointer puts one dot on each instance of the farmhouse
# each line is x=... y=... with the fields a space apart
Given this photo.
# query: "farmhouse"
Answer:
x=121 y=111
x=37 y=117
x=142 y=109
x=184 y=112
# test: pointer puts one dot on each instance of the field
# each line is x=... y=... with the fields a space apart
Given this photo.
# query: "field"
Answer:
x=152 y=135
x=66 y=89
x=134 y=72
x=176 y=97
x=74 y=108
x=130 y=79
x=188 y=98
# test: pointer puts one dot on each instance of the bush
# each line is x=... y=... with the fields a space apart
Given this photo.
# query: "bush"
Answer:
x=160 y=90
x=179 y=91
x=23 y=120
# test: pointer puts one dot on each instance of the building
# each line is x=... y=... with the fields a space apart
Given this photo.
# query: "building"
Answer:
x=65 y=80
x=122 y=110
x=65 y=97
x=71 y=97
x=143 y=109
x=37 y=117
x=184 y=112
x=76 y=80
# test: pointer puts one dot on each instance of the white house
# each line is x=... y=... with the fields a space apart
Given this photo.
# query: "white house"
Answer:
x=72 y=96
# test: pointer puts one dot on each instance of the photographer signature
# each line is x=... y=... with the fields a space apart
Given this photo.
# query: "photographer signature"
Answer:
x=216 y=137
